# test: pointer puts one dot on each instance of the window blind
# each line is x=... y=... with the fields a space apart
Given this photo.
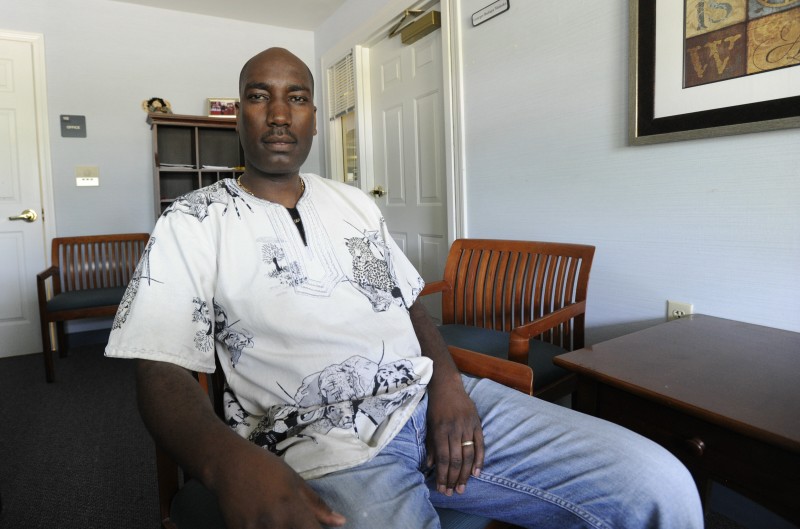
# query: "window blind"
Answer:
x=341 y=87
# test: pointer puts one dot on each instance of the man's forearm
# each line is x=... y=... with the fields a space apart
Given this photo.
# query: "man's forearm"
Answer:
x=433 y=345
x=179 y=416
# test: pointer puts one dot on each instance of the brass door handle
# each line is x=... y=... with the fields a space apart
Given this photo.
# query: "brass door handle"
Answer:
x=378 y=191
x=28 y=216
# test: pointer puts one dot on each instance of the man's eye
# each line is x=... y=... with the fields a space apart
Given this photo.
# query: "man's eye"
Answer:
x=298 y=99
x=257 y=97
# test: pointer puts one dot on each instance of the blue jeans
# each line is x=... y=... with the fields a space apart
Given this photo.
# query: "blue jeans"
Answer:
x=546 y=466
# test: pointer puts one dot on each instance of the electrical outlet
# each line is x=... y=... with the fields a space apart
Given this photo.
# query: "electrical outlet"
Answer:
x=678 y=309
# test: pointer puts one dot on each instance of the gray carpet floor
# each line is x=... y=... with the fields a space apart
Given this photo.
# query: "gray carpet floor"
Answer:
x=75 y=454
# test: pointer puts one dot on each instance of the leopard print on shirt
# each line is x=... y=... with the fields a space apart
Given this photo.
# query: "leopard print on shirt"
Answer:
x=368 y=270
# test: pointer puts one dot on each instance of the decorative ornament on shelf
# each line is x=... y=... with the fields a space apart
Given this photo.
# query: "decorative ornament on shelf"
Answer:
x=156 y=104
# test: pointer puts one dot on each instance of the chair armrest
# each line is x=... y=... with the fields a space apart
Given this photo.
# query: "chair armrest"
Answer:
x=49 y=272
x=41 y=279
x=549 y=321
x=434 y=287
x=512 y=374
x=520 y=336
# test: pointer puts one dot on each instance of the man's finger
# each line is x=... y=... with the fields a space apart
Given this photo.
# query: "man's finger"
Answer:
x=455 y=463
x=442 y=460
x=323 y=513
x=468 y=457
x=480 y=452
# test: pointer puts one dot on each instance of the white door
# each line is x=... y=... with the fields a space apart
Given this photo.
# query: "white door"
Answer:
x=407 y=108
x=22 y=243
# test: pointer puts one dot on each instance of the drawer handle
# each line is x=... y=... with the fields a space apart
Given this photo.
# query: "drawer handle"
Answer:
x=696 y=446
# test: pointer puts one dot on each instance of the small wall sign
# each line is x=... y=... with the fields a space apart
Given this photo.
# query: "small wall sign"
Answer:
x=492 y=10
x=73 y=126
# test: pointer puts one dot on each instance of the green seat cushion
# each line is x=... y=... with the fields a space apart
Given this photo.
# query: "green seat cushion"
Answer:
x=495 y=343
x=84 y=299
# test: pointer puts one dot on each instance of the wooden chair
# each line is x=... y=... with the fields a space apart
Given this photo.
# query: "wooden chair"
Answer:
x=87 y=279
x=524 y=301
x=173 y=494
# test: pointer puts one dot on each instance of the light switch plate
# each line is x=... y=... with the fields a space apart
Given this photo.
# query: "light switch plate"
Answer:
x=87 y=171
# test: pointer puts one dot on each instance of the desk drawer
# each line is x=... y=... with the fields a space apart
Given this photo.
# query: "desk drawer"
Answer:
x=769 y=474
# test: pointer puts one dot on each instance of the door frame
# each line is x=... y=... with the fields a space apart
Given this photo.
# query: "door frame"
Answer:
x=359 y=42
x=36 y=40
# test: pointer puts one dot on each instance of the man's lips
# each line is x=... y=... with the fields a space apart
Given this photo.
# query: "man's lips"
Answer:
x=278 y=136
x=279 y=143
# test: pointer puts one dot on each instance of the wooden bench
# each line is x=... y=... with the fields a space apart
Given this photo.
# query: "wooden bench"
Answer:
x=87 y=279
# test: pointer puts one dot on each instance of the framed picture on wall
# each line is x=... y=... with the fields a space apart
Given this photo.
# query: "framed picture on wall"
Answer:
x=700 y=68
x=221 y=107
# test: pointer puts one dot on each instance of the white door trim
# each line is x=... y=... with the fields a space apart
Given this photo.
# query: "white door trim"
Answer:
x=358 y=41
x=36 y=41
x=453 y=113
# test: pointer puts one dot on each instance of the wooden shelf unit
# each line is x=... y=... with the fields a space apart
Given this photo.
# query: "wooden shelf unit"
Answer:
x=190 y=152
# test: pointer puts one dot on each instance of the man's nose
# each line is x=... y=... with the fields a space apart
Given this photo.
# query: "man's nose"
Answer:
x=279 y=113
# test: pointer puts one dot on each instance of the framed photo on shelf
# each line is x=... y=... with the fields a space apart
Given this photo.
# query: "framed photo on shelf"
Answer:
x=699 y=69
x=220 y=107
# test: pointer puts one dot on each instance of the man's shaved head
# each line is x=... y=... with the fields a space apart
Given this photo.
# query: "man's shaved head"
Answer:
x=269 y=53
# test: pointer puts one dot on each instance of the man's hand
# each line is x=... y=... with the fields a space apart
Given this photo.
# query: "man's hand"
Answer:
x=455 y=438
x=452 y=422
x=259 y=490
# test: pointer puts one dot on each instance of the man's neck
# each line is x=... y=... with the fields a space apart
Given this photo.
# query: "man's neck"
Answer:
x=283 y=190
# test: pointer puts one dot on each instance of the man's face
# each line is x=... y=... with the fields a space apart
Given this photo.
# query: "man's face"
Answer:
x=277 y=118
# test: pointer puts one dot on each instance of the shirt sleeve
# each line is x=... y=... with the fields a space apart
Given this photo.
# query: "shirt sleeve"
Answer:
x=405 y=274
x=167 y=312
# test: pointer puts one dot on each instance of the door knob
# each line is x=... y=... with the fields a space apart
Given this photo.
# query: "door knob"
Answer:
x=28 y=216
x=696 y=446
x=378 y=191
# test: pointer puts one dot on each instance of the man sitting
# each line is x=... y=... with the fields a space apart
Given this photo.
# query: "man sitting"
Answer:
x=343 y=406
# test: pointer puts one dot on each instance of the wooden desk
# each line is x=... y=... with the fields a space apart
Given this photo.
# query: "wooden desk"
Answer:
x=722 y=395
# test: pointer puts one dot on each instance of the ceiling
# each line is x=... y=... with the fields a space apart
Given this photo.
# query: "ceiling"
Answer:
x=295 y=14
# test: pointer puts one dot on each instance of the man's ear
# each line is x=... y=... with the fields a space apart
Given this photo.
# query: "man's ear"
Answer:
x=238 y=111
x=315 y=121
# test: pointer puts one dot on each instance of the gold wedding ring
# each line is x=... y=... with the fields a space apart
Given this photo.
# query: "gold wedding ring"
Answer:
x=467 y=443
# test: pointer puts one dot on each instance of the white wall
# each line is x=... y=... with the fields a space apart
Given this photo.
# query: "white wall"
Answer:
x=103 y=59
x=713 y=222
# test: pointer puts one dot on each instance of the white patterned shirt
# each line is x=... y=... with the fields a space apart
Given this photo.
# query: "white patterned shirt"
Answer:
x=315 y=341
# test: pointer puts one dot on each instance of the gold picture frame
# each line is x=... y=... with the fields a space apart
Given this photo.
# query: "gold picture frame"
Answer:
x=221 y=107
x=736 y=112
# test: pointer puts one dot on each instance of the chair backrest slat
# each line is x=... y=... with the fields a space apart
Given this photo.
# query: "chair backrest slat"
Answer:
x=491 y=278
x=504 y=294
